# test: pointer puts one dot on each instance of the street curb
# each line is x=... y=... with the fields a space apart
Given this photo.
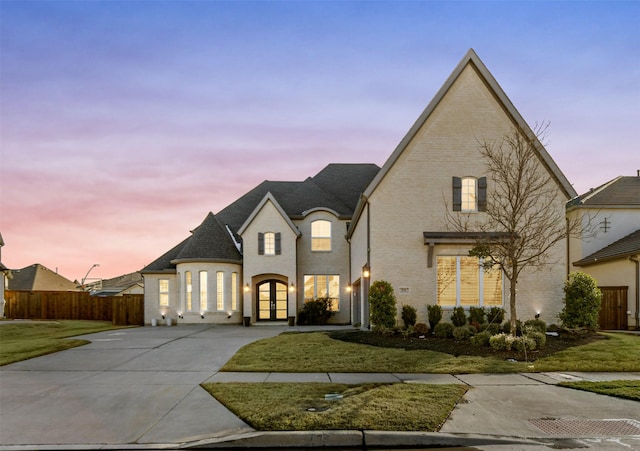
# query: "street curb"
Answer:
x=351 y=439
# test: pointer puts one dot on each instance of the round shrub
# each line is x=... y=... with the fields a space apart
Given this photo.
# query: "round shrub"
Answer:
x=582 y=299
x=383 y=304
x=409 y=315
x=481 y=338
x=421 y=329
x=492 y=328
x=463 y=333
x=435 y=315
x=520 y=343
x=539 y=337
x=316 y=312
x=443 y=330
x=458 y=318
x=499 y=342
x=536 y=324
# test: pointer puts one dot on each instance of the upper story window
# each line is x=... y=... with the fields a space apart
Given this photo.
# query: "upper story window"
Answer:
x=469 y=194
x=269 y=243
x=321 y=235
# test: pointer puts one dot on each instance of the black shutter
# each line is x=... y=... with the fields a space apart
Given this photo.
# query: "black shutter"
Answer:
x=457 y=194
x=278 y=245
x=260 y=243
x=482 y=194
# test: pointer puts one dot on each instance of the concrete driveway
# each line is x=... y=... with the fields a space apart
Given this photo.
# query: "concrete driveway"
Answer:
x=128 y=386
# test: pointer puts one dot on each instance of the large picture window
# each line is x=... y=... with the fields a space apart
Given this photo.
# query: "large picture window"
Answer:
x=323 y=286
x=463 y=282
x=321 y=236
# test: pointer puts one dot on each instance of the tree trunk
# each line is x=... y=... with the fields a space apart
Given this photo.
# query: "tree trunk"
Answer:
x=512 y=304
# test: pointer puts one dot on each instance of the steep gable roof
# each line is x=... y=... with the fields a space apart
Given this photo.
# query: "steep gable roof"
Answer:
x=209 y=241
x=624 y=247
x=619 y=192
x=37 y=277
x=346 y=181
x=471 y=58
x=268 y=198
x=164 y=263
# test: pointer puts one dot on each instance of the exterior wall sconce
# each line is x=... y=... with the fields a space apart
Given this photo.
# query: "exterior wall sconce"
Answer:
x=246 y=288
x=202 y=315
x=537 y=315
x=348 y=288
x=292 y=287
x=163 y=316
x=366 y=272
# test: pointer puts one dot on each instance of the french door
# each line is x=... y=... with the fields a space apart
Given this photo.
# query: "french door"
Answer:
x=272 y=301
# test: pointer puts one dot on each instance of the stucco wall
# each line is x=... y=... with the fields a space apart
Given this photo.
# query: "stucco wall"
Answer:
x=152 y=309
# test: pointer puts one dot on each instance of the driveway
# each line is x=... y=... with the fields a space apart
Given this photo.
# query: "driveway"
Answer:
x=128 y=386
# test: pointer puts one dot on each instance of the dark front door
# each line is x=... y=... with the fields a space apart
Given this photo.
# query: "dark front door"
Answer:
x=613 y=310
x=272 y=301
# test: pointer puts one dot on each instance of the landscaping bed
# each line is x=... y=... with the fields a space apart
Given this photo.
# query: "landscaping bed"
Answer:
x=450 y=346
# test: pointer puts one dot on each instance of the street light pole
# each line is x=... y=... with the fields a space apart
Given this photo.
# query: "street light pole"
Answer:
x=87 y=274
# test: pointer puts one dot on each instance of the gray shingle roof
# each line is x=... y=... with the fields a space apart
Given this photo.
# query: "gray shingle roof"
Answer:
x=210 y=241
x=37 y=277
x=621 y=191
x=122 y=282
x=337 y=187
x=624 y=247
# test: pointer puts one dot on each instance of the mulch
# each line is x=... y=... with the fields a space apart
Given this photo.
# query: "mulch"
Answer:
x=563 y=341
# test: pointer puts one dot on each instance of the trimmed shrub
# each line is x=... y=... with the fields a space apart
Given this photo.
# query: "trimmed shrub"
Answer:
x=492 y=328
x=520 y=343
x=316 y=312
x=501 y=342
x=383 y=304
x=582 y=299
x=536 y=324
x=495 y=315
x=539 y=337
x=506 y=327
x=435 y=315
x=421 y=329
x=443 y=330
x=481 y=338
x=476 y=315
x=409 y=315
x=458 y=318
x=463 y=333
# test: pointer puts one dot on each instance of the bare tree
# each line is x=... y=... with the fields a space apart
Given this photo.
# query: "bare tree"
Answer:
x=525 y=211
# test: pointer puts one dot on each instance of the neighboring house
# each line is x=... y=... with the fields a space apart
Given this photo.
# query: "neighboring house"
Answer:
x=5 y=274
x=131 y=283
x=39 y=278
x=610 y=249
x=283 y=243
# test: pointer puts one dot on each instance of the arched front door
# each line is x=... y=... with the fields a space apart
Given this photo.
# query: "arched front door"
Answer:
x=272 y=301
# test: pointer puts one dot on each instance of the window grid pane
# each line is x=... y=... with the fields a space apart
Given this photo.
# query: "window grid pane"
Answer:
x=163 y=289
x=203 y=291
x=492 y=281
x=189 y=287
x=321 y=235
x=469 y=194
x=220 y=290
x=447 y=276
x=469 y=281
x=269 y=243
x=234 y=291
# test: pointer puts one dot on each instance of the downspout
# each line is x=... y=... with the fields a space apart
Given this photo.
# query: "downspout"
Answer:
x=568 y=249
x=350 y=290
x=634 y=259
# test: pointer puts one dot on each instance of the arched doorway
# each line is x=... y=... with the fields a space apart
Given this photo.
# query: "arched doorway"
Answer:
x=272 y=301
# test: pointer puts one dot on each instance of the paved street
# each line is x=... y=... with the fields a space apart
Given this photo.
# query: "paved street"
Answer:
x=140 y=387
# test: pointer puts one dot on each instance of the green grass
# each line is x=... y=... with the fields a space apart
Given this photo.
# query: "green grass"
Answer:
x=620 y=389
x=316 y=352
x=283 y=406
x=21 y=341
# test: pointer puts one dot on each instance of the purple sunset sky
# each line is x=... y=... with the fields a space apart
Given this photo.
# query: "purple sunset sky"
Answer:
x=124 y=123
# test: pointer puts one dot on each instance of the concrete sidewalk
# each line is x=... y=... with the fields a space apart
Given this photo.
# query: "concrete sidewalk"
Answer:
x=139 y=388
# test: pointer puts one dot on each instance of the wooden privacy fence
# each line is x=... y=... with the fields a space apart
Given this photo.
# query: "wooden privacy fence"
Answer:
x=127 y=310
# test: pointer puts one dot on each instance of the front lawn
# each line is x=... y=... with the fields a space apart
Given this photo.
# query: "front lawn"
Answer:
x=619 y=389
x=317 y=353
x=303 y=407
x=25 y=340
